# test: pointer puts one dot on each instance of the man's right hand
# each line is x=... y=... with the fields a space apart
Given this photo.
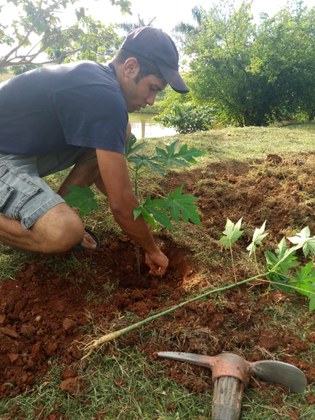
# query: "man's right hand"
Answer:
x=157 y=262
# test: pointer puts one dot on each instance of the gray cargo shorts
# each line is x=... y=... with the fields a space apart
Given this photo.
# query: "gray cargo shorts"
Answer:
x=24 y=195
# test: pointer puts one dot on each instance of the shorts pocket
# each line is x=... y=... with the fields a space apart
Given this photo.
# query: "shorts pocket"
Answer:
x=6 y=193
x=5 y=190
x=15 y=191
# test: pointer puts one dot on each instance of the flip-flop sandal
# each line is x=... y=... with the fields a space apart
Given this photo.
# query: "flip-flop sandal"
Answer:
x=79 y=247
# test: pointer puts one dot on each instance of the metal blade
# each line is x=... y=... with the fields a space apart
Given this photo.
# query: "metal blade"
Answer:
x=197 y=359
x=280 y=373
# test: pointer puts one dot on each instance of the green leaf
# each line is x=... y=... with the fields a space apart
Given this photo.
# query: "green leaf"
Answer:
x=81 y=198
x=176 y=155
x=284 y=258
x=176 y=207
x=258 y=237
x=142 y=211
x=305 y=279
x=146 y=161
x=159 y=214
x=132 y=146
x=311 y=303
x=232 y=233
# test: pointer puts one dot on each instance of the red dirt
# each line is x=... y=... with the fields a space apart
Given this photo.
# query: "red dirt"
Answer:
x=44 y=313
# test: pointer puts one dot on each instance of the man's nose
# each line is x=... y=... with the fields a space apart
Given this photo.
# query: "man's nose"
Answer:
x=151 y=99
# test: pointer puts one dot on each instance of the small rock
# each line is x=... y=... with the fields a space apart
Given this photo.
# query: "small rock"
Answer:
x=68 y=324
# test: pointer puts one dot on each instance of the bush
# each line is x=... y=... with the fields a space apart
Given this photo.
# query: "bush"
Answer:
x=187 y=117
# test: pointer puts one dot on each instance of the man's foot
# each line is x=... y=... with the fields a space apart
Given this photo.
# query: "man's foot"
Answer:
x=89 y=241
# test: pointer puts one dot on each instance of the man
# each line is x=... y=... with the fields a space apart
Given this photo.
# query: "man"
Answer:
x=56 y=117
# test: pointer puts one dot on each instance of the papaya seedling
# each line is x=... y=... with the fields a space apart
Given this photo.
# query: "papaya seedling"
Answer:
x=231 y=234
x=158 y=212
x=282 y=266
x=174 y=207
x=258 y=236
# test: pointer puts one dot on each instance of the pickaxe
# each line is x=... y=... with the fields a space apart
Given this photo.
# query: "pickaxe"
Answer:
x=231 y=374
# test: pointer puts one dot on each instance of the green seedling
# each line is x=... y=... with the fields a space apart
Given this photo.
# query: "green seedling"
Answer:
x=231 y=234
x=162 y=211
x=158 y=212
x=304 y=240
x=258 y=237
x=174 y=207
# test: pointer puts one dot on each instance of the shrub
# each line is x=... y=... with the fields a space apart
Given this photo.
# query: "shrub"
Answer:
x=187 y=117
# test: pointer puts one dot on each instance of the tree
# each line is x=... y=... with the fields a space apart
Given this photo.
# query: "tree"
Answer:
x=252 y=73
x=39 y=36
x=285 y=55
x=220 y=52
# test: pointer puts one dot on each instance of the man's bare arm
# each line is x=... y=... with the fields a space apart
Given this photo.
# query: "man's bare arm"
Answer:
x=122 y=201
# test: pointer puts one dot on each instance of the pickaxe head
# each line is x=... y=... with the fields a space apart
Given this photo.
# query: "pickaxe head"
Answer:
x=231 y=374
x=229 y=364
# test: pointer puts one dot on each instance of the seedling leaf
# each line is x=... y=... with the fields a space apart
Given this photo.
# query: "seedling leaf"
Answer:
x=232 y=233
x=143 y=160
x=176 y=207
x=258 y=237
x=284 y=258
x=305 y=279
x=141 y=210
x=304 y=240
x=132 y=146
x=81 y=198
x=176 y=155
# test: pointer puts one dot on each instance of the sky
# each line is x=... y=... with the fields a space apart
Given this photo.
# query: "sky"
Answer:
x=167 y=13
x=170 y=12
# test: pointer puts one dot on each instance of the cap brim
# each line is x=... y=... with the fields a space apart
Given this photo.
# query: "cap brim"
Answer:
x=173 y=78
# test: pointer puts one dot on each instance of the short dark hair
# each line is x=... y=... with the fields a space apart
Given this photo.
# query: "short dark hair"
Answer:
x=147 y=67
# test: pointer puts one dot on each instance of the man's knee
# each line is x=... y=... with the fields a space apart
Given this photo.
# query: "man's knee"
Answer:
x=59 y=229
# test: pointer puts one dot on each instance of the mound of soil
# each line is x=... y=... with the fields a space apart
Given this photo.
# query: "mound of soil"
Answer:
x=46 y=312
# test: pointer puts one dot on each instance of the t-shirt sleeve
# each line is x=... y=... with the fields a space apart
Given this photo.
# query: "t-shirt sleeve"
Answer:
x=93 y=116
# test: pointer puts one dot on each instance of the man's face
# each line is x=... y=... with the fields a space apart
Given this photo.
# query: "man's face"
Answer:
x=142 y=93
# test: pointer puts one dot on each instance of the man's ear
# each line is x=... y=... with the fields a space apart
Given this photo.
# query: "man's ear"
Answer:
x=131 y=67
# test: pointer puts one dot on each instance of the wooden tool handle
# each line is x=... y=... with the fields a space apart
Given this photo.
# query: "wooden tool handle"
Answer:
x=227 y=398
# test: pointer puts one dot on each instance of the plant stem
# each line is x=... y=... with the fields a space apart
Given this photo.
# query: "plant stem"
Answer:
x=88 y=349
x=233 y=264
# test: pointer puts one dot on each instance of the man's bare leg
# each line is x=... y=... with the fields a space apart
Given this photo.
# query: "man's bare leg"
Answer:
x=85 y=172
x=58 y=230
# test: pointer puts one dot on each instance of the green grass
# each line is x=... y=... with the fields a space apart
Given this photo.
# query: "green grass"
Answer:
x=124 y=386
x=120 y=386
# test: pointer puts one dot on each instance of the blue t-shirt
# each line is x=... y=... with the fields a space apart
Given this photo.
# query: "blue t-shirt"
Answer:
x=51 y=109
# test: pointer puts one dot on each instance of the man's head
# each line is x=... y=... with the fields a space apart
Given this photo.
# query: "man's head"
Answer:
x=157 y=47
x=146 y=62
